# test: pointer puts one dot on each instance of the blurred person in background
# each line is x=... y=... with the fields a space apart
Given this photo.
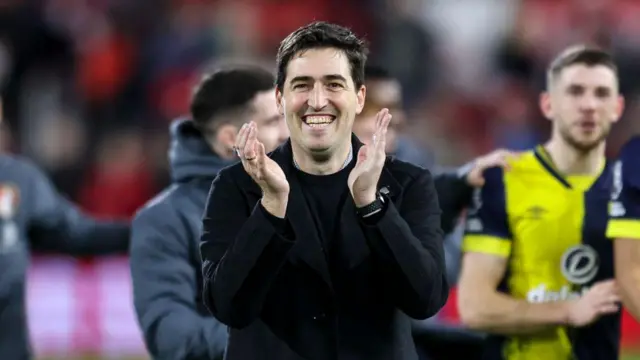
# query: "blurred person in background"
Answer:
x=385 y=91
x=165 y=260
x=624 y=224
x=538 y=267
x=34 y=216
x=454 y=186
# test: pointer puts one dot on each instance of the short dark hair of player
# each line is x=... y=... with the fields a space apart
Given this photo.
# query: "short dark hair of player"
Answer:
x=377 y=73
x=323 y=35
x=581 y=54
x=224 y=96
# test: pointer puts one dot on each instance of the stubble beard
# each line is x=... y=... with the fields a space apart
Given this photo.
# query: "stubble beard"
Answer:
x=584 y=147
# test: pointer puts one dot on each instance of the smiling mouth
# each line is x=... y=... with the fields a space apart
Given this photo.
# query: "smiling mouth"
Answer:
x=318 y=121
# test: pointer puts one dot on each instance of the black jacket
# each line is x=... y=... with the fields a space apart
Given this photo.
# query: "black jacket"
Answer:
x=33 y=215
x=275 y=291
x=165 y=260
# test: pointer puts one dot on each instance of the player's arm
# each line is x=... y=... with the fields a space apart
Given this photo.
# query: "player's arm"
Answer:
x=483 y=307
x=487 y=247
x=165 y=289
x=58 y=225
x=624 y=228
x=455 y=186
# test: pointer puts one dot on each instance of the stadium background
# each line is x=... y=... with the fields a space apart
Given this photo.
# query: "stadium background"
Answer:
x=89 y=87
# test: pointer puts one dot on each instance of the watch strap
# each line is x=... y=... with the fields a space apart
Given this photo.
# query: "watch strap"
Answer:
x=371 y=208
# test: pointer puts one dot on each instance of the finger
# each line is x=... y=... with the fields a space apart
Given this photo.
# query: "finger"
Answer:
x=382 y=141
x=241 y=140
x=610 y=282
x=608 y=309
x=250 y=146
x=261 y=156
x=605 y=286
x=381 y=114
x=376 y=136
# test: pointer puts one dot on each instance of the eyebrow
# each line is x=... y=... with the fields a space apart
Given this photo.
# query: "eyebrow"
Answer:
x=326 y=78
x=582 y=86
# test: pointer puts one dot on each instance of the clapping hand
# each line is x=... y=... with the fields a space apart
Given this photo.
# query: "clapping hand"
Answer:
x=363 y=179
x=263 y=170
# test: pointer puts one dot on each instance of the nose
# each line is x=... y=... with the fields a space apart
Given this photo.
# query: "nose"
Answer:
x=588 y=103
x=318 y=98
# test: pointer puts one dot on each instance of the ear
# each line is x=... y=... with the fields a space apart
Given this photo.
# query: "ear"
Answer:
x=360 y=97
x=620 y=107
x=279 y=100
x=545 y=105
x=226 y=136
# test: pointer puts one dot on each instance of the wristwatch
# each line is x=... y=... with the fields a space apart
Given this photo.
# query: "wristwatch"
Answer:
x=372 y=208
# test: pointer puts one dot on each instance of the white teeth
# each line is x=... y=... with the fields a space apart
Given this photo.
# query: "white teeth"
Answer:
x=319 y=125
x=318 y=120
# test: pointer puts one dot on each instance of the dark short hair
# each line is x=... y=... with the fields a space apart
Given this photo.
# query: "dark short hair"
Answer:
x=580 y=54
x=323 y=35
x=375 y=72
x=228 y=91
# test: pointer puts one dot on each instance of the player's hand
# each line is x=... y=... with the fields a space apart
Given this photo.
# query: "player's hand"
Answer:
x=363 y=179
x=601 y=299
x=263 y=170
x=500 y=157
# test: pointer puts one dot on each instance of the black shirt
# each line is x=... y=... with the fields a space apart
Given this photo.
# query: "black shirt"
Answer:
x=325 y=195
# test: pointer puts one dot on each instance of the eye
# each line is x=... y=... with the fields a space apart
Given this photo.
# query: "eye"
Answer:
x=299 y=86
x=335 y=85
x=602 y=92
x=575 y=90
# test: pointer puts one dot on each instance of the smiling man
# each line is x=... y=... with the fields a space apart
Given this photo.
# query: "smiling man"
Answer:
x=325 y=248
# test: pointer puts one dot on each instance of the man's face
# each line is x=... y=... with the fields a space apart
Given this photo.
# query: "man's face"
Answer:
x=583 y=103
x=381 y=94
x=272 y=129
x=319 y=100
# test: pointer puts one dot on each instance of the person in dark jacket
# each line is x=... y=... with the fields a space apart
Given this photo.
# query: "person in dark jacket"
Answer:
x=165 y=261
x=34 y=216
x=326 y=247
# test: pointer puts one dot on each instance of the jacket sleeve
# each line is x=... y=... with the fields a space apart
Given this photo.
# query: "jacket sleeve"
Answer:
x=454 y=195
x=408 y=244
x=242 y=251
x=165 y=290
x=58 y=225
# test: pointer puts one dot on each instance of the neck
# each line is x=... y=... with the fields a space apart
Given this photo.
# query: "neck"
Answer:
x=572 y=161
x=321 y=164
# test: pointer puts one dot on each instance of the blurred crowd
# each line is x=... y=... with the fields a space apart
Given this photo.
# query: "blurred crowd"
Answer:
x=90 y=86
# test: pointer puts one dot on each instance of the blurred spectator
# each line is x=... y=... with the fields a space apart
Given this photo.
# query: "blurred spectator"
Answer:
x=120 y=182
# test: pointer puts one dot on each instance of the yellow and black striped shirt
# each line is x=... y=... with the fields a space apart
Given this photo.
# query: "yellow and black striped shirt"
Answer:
x=551 y=228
